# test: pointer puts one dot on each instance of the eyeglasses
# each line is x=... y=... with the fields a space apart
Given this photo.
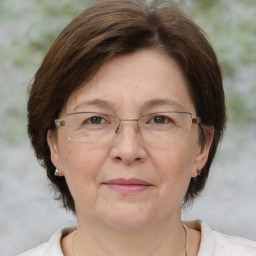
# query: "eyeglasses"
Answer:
x=93 y=127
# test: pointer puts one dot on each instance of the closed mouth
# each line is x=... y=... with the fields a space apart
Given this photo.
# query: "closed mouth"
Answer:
x=128 y=186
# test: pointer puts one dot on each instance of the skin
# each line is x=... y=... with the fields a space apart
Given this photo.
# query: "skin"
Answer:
x=147 y=222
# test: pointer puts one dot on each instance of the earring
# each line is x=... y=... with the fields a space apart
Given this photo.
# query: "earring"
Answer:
x=56 y=173
x=199 y=172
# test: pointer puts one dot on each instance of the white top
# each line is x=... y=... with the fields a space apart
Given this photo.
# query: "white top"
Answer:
x=212 y=243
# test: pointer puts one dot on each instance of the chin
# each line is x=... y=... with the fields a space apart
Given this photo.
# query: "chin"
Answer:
x=128 y=218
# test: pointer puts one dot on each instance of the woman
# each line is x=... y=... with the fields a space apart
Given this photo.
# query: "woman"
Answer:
x=125 y=114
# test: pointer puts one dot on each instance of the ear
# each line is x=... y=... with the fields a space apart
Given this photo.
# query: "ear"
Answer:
x=52 y=143
x=203 y=152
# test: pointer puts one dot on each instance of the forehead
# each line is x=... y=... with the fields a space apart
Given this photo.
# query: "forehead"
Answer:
x=134 y=83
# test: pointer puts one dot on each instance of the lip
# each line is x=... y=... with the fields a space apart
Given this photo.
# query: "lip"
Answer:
x=128 y=186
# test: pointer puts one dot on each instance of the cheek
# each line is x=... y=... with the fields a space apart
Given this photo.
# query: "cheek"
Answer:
x=172 y=167
x=82 y=166
x=174 y=163
x=82 y=162
x=173 y=158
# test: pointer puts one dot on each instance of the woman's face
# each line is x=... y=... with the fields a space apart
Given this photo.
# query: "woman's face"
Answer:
x=103 y=177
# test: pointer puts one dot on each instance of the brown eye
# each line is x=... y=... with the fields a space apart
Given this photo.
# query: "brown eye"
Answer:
x=159 y=119
x=95 y=120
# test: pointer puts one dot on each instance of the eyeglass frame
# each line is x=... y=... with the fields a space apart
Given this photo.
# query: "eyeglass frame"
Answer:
x=61 y=122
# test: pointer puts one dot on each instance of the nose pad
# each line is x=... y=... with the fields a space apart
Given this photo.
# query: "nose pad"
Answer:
x=117 y=129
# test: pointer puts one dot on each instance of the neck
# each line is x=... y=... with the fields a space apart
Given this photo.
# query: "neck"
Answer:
x=167 y=238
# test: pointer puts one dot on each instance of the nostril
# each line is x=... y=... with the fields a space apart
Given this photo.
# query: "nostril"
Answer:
x=118 y=158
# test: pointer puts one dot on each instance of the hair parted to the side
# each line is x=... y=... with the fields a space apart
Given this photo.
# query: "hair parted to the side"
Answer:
x=114 y=27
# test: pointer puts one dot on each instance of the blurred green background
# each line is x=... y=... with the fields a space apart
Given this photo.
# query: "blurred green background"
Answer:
x=28 y=27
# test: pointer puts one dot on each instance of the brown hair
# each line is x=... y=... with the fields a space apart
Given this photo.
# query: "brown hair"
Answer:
x=115 y=27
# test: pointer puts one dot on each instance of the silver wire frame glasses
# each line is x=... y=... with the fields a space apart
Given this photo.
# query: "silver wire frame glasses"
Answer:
x=93 y=127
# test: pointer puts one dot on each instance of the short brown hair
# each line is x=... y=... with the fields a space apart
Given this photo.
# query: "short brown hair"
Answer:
x=115 y=27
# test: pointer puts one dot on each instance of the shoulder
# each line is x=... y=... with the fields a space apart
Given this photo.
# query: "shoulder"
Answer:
x=50 y=248
x=39 y=250
x=214 y=243
x=231 y=245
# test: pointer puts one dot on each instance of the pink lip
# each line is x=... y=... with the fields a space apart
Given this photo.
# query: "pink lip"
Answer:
x=128 y=186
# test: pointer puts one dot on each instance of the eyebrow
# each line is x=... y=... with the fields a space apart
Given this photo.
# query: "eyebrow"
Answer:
x=148 y=104
x=96 y=102
x=162 y=102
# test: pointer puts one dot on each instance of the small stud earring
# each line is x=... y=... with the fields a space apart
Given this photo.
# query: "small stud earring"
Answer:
x=199 y=172
x=56 y=173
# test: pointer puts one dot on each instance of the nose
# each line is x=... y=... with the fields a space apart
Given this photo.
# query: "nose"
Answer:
x=127 y=146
